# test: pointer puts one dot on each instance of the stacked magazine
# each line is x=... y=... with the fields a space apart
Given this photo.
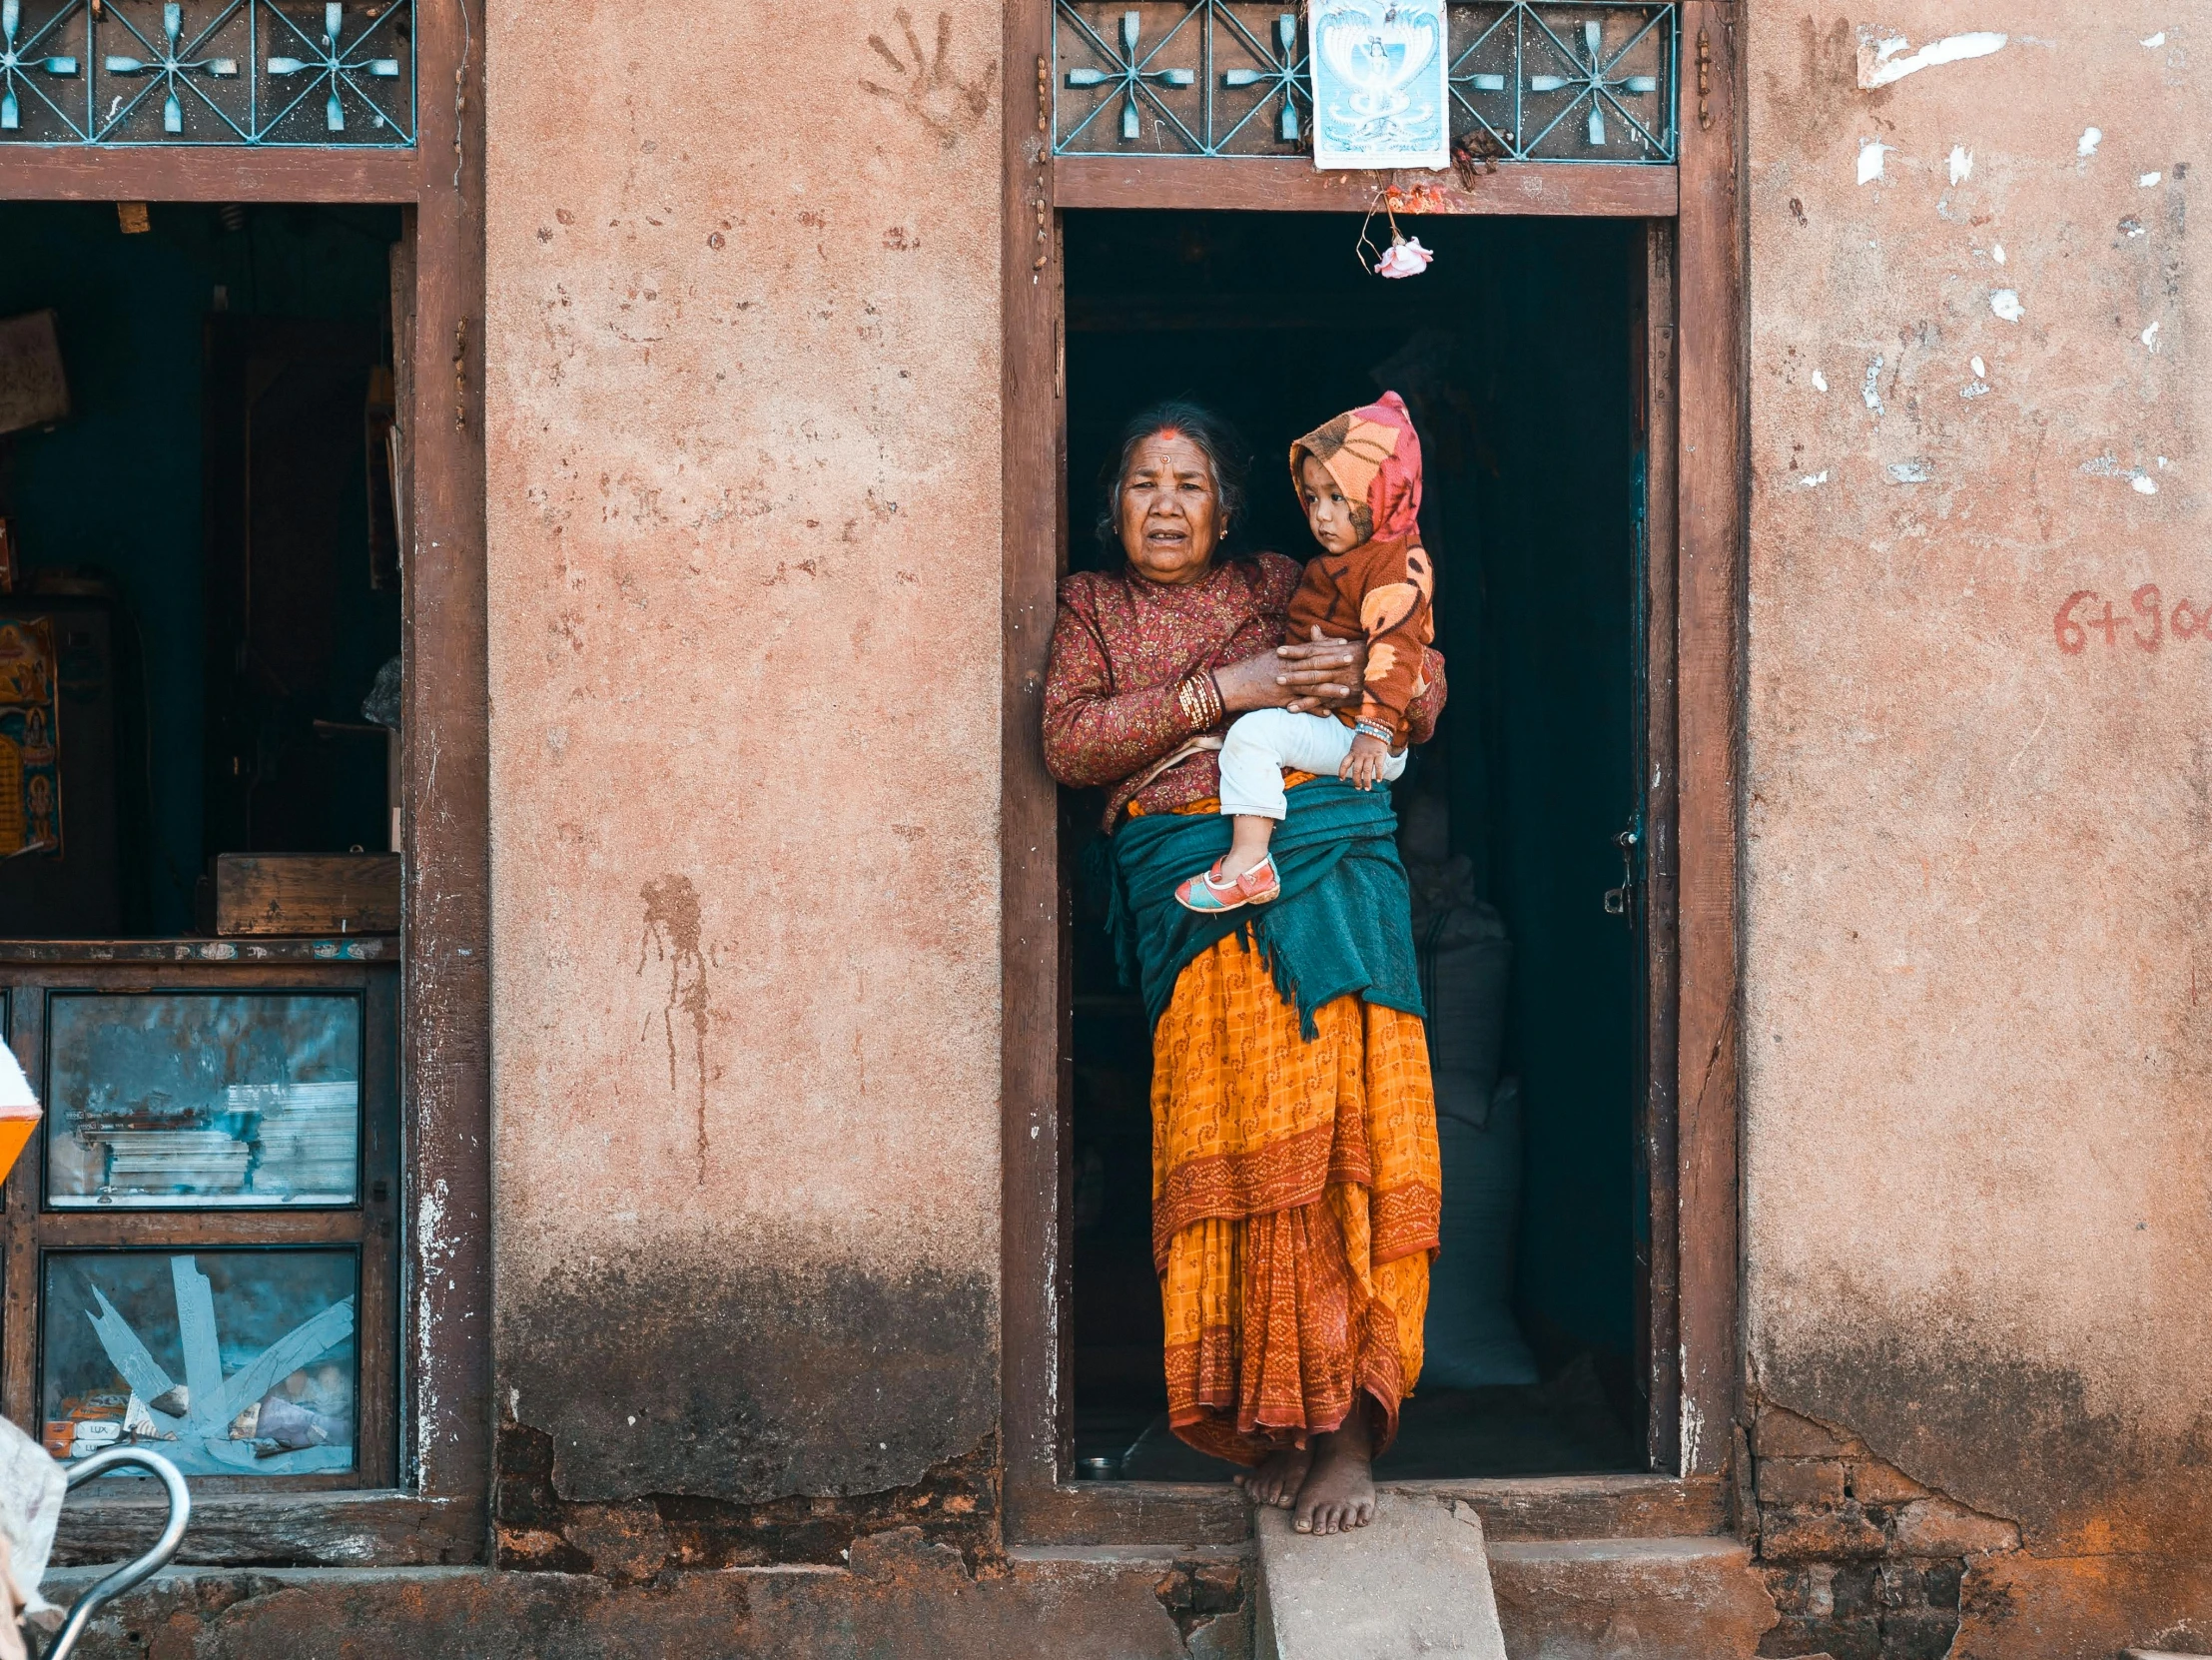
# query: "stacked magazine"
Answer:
x=305 y=1137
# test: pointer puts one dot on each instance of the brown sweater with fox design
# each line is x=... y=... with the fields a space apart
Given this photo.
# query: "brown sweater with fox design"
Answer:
x=1380 y=593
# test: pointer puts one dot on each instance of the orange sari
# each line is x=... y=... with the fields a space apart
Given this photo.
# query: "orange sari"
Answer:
x=1294 y=1208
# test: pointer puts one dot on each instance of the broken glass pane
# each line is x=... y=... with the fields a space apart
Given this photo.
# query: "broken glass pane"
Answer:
x=202 y=1099
x=226 y=1362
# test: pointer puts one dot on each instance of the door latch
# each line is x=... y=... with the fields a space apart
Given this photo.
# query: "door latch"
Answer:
x=1619 y=902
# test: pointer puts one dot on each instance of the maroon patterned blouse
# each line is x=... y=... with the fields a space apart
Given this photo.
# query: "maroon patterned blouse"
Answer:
x=1121 y=649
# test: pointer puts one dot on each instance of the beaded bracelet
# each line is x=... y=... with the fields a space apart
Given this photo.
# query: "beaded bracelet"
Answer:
x=1372 y=730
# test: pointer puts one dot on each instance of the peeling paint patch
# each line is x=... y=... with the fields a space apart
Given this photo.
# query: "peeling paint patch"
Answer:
x=2155 y=41
x=2104 y=467
x=1978 y=389
x=435 y=1248
x=1980 y=369
x=1820 y=382
x=2149 y=180
x=1814 y=481
x=1909 y=472
x=1962 y=164
x=2131 y=227
x=636 y=1540
x=1997 y=251
x=2091 y=136
x=1872 y=390
x=2005 y=303
x=2149 y=338
x=1882 y=63
x=1869 y=160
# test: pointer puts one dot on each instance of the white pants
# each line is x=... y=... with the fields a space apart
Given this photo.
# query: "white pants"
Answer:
x=1261 y=745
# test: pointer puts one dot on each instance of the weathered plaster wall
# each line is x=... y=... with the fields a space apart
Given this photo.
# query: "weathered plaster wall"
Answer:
x=1978 y=1001
x=743 y=432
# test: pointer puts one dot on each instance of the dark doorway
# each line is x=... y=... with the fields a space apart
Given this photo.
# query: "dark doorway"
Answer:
x=1516 y=353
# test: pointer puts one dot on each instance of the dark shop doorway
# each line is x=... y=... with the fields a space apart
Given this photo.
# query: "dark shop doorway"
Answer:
x=201 y=526
x=1516 y=351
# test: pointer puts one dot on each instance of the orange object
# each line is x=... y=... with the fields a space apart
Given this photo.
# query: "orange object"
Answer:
x=59 y=1433
x=16 y=1124
x=1296 y=1196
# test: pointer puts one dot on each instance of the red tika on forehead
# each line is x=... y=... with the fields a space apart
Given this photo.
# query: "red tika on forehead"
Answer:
x=1375 y=458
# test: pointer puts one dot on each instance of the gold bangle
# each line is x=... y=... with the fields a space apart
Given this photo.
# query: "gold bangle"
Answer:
x=1197 y=708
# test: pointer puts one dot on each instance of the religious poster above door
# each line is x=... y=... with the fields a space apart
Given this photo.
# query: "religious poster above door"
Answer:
x=1368 y=84
x=30 y=739
x=1380 y=88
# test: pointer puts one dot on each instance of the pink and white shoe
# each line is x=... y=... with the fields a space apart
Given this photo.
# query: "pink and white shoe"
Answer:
x=1208 y=892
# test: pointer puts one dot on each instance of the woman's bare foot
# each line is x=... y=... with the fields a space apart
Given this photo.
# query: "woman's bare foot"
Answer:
x=1279 y=1478
x=1339 y=1493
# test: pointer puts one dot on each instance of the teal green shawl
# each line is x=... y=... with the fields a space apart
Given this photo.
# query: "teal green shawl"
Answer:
x=1343 y=924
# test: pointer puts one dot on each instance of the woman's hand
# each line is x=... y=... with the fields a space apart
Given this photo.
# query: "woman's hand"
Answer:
x=1320 y=674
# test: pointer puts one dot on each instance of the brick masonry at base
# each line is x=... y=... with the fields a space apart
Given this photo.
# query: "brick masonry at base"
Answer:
x=1864 y=1562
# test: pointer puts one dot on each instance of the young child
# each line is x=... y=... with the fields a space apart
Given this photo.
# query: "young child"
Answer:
x=1359 y=479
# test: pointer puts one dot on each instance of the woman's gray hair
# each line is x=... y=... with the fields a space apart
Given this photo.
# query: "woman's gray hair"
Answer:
x=1216 y=439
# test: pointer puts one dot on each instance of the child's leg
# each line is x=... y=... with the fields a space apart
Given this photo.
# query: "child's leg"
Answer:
x=1258 y=747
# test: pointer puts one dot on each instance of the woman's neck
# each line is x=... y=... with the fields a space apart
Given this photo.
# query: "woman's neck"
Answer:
x=1196 y=578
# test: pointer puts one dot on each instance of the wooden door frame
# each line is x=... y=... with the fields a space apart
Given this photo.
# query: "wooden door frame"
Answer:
x=438 y=1512
x=1698 y=477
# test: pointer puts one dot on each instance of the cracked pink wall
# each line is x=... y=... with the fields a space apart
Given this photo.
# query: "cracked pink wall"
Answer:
x=743 y=434
x=1978 y=1001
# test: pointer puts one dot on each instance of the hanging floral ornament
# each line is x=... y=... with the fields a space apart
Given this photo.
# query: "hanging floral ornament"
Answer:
x=1406 y=258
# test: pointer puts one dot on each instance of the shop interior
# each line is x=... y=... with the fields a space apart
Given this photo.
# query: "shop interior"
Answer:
x=1516 y=351
x=202 y=479
x=197 y=505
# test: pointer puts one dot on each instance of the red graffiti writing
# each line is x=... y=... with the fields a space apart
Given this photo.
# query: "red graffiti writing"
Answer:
x=2148 y=621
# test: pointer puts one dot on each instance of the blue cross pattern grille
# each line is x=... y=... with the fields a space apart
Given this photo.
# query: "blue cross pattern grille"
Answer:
x=1564 y=81
x=319 y=74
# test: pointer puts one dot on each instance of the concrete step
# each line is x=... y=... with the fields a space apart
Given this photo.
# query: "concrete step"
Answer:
x=1413 y=1582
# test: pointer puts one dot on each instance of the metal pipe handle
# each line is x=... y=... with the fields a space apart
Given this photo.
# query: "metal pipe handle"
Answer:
x=130 y=1574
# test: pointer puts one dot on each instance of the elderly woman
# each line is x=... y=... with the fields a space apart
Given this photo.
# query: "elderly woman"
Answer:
x=1294 y=1163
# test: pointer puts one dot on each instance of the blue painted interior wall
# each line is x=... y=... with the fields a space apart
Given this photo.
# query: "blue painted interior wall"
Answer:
x=115 y=487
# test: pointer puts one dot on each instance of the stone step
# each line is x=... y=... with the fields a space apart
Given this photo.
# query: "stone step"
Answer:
x=1414 y=1583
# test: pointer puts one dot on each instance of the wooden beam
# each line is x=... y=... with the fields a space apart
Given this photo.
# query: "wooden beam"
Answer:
x=1533 y=1507
x=1709 y=589
x=1034 y=1029
x=1263 y=183
x=1661 y=816
x=206 y=173
x=446 y=1337
x=111 y=1523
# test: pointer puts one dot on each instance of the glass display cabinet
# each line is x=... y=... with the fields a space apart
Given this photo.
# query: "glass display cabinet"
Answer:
x=198 y=1247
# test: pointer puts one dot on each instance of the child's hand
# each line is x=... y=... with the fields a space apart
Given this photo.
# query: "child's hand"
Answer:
x=1363 y=766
